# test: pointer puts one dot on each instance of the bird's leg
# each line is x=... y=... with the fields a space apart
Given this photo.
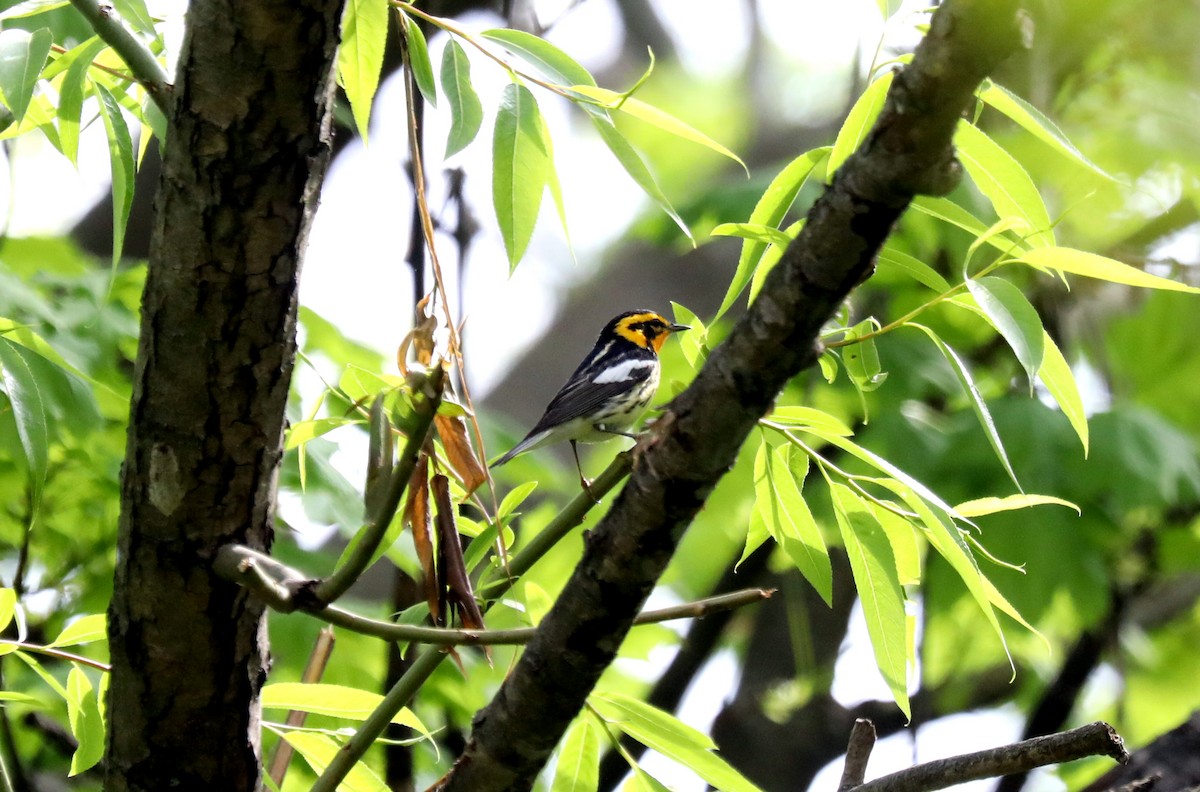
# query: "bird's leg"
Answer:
x=583 y=482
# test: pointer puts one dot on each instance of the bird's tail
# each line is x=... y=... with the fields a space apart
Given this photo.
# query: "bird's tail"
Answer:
x=530 y=442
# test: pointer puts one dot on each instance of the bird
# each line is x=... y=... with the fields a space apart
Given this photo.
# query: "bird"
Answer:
x=609 y=390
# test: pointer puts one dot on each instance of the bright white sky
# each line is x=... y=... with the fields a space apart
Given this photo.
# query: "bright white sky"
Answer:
x=355 y=275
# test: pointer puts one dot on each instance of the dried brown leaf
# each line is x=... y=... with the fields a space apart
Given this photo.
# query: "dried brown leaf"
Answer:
x=418 y=515
x=459 y=451
x=452 y=568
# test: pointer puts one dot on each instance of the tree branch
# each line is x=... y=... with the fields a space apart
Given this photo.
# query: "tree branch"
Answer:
x=145 y=67
x=858 y=752
x=908 y=152
x=1095 y=739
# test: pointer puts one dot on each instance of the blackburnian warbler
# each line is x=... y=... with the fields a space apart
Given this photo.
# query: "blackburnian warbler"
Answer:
x=609 y=390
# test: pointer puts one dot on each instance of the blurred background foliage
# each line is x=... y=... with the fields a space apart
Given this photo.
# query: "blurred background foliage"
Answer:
x=1114 y=591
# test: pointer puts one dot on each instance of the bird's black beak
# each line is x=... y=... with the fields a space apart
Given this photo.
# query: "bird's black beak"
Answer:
x=676 y=328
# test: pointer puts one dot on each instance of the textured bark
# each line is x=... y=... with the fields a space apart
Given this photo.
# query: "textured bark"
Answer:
x=908 y=152
x=247 y=148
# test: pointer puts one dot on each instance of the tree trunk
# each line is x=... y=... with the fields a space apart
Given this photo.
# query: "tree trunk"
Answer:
x=248 y=146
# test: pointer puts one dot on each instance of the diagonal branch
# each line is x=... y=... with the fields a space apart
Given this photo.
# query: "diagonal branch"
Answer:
x=908 y=152
x=144 y=65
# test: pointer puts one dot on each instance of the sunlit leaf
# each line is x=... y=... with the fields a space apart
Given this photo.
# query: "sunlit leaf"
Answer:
x=859 y=121
x=612 y=100
x=513 y=500
x=29 y=412
x=22 y=55
x=318 y=750
x=809 y=417
x=577 y=767
x=338 y=701
x=1092 y=265
x=766 y=234
x=1056 y=375
x=547 y=58
x=890 y=257
x=1004 y=182
x=303 y=432
x=360 y=56
x=85 y=629
x=633 y=164
x=982 y=506
x=87 y=728
x=976 y=399
x=556 y=193
x=537 y=602
x=1014 y=317
x=8 y=607
x=947 y=211
x=861 y=357
x=876 y=577
x=521 y=168
x=770 y=258
x=692 y=343
x=466 y=111
x=120 y=155
x=70 y=94
x=769 y=211
x=788 y=519
x=671 y=737
x=418 y=59
x=1032 y=119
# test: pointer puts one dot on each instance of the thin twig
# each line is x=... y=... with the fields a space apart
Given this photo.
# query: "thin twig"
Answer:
x=145 y=67
x=427 y=662
x=344 y=576
x=50 y=651
x=1095 y=739
x=268 y=578
x=858 y=752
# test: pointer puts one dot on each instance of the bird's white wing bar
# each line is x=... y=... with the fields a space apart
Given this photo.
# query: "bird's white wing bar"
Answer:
x=624 y=371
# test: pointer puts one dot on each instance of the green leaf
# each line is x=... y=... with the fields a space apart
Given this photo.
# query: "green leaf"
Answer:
x=83 y=713
x=671 y=737
x=418 y=59
x=1014 y=317
x=771 y=257
x=318 y=751
x=769 y=211
x=360 y=56
x=973 y=395
x=514 y=499
x=577 y=768
x=810 y=417
x=787 y=517
x=1032 y=119
x=859 y=121
x=337 y=701
x=1056 y=375
x=547 y=58
x=120 y=155
x=861 y=359
x=29 y=412
x=70 y=94
x=46 y=676
x=947 y=539
x=768 y=235
x=466 y=111
x=612 y=100
x=8 y=607
x=303 y=432
x=949 y=212
x=85 y=629
x=877 y=579
x=633 y=164
x=537 y=602
x=922 y=273
x=521 y=166
x=552 y=182
x=22 y=55
x=1091 y=265
x=1004 y=182
x=692 y=343
x=20 y=698
x=982 y=506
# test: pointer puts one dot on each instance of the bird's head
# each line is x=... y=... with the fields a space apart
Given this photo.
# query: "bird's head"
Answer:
x=647 y=329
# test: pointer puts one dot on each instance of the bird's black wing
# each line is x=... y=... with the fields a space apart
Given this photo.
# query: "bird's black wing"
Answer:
x=582 y=396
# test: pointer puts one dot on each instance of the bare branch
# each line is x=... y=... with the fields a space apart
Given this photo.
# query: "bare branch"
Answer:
x=1095 y=739
x=858 y=752
x=145 y=67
